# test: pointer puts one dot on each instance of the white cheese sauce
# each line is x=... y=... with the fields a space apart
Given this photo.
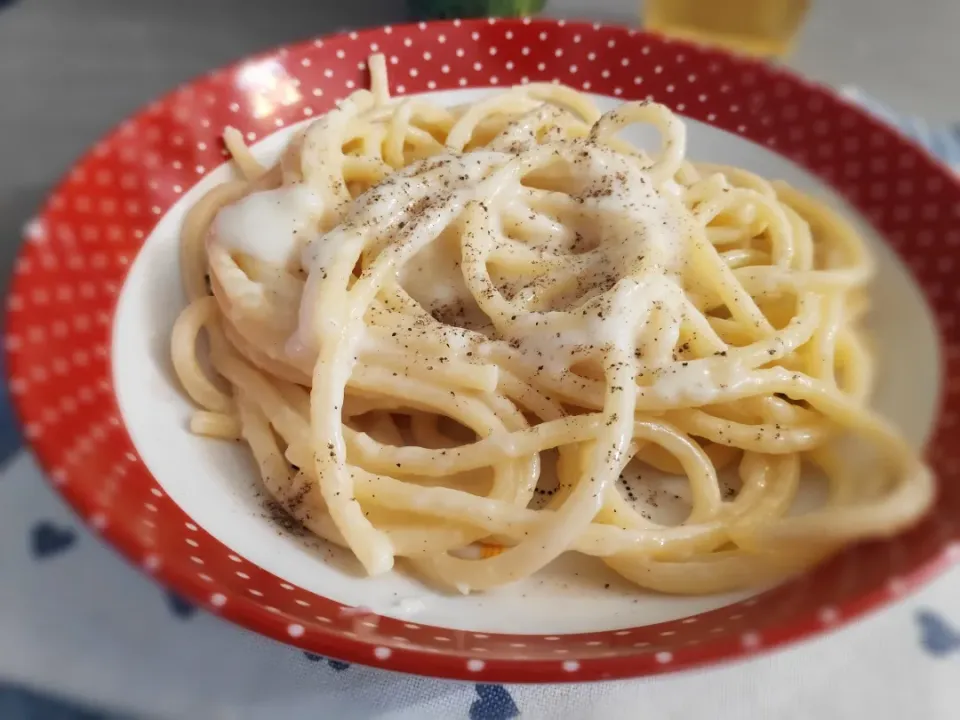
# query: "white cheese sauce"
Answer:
x=269 y=225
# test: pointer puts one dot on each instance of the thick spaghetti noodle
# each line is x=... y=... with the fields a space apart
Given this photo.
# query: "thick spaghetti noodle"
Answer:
x=441 y=327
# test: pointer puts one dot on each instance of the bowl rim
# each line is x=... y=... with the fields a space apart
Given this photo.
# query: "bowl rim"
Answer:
x=250 y=613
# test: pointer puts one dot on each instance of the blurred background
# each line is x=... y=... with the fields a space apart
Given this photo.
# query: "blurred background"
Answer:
x=71 y=69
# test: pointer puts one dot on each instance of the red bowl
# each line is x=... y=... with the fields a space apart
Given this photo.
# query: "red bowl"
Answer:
x=78 y=253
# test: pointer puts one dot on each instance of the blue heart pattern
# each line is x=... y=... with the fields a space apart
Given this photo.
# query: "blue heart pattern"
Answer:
x=180 y=607
x=337 y=665
x=48 y=539
x=493 y=703
x=937 y=636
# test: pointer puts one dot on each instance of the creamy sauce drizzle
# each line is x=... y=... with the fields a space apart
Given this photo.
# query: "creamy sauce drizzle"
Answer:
x=269 y=225
x=623 y=289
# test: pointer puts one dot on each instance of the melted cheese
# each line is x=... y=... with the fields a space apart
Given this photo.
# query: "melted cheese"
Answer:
x=269 y=225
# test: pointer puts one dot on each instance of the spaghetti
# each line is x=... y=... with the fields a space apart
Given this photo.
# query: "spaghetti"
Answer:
x=445 y=328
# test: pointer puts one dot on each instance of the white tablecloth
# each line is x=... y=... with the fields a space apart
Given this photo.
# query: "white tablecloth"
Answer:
x=78 y=624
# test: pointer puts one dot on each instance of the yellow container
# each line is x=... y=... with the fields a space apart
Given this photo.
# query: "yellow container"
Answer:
x=758 y=27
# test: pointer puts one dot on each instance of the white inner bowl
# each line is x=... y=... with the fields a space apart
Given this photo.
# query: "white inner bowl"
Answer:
x=218 y=485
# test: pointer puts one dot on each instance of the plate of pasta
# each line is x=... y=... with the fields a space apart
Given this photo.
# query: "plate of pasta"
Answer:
x=503 y=350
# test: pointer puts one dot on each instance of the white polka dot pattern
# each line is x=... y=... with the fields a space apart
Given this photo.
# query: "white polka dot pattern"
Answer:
x=78 y=251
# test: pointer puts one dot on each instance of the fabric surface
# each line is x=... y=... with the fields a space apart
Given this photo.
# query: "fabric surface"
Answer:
x=83 y=636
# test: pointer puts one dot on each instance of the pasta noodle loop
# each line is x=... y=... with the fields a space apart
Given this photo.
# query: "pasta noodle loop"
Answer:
x=482 y=336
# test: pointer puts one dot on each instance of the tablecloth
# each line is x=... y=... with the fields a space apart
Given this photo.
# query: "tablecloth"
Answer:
x=83 y=636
